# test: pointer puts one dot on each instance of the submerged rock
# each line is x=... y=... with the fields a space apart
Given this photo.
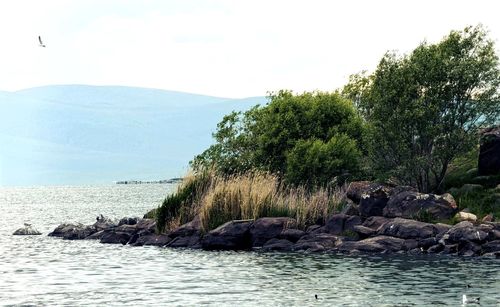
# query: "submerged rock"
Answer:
x=317 y=242
x=27 y=230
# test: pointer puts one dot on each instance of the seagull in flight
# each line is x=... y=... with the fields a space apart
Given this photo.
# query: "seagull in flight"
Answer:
x=40 y=40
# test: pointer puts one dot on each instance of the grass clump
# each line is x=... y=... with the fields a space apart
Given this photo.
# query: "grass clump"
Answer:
x=218 y=199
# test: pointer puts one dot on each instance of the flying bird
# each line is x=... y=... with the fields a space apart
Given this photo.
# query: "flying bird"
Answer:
x=40 y=40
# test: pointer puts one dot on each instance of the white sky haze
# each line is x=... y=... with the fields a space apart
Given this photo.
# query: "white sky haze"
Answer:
x=221 y=48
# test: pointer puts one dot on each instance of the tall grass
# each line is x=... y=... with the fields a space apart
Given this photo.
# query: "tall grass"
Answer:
x=218 y=199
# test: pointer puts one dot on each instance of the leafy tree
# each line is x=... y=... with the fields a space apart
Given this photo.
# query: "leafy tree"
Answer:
x=262 y=137
x=425 y=108
x=315 y=163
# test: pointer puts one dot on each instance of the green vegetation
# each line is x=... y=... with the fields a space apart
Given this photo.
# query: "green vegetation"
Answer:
x=218 y=199
x=414 y=121
x=424 y=109
x=479 y=194
x=324 y=126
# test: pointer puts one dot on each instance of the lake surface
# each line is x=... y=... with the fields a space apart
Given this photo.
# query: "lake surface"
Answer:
x=40 y=270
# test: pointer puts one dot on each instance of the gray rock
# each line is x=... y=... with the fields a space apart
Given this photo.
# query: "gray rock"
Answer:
x=364 y=232
x=410 y=204
x=104 y=223
x=70 y=231
x=266 y=228
x=146 y=226
x=115 y=237
x=427 y=242
x=314 y=228
x=27 y=230
x=128 y=221
x=96 y=236
x=277 y=245
x=357 y=188
x=492 y=246
x=350 y=208
x=152 y=240
x=374 y=200
x=193 y=241
x=292 y=235
x=188 y=229
x=379 y=244
x=233 y=235
x=375 y=222
x=339 y=223
x=408 y=229
x=317 y=242
x=465 y=231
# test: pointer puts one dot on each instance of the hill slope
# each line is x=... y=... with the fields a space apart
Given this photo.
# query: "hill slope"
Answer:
x=78 y=134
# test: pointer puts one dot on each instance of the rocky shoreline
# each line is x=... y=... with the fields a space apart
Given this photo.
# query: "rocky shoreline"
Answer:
x=377 y=219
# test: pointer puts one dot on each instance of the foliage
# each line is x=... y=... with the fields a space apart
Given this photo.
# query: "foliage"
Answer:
x=263 y=137
x=177 y=208
x=424 y=109
x=313 y=162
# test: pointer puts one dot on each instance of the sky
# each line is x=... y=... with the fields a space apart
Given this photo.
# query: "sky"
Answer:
x=230 y=49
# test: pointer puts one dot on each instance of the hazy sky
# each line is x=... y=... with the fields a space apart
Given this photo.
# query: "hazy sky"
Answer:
x=222 y=48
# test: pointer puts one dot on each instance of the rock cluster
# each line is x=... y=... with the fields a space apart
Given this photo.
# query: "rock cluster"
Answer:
x=377 y=219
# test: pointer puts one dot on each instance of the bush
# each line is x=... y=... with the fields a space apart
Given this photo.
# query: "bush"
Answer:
x=315 y=163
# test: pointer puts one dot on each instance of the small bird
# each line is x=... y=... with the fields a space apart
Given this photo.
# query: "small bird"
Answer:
x=40 y=40
x=466 y=300
x=316 y=296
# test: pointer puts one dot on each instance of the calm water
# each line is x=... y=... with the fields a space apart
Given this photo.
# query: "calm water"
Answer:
x=40 y=270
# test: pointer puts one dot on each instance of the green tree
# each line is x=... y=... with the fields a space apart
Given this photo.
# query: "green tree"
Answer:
x=316 y=163
x=262 y=137
x=426 y=108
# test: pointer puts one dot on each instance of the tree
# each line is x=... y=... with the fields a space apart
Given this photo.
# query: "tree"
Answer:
x=426 y=108
x=262 y=137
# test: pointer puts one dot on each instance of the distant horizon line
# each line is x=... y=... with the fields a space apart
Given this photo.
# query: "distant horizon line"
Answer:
x=127 y=86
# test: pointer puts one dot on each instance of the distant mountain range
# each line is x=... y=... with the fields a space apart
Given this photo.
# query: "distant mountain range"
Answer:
x=79 y=134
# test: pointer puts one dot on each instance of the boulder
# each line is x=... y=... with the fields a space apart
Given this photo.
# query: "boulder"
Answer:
x=339 y=223
x=266 y=228
x=96 y=235
x=350 y=208
x=292 y=235
x=489 y=152
x=187 y=241
x=490 y=247
x=357 y=188
x=379 y=244
x=410 y=204
x=277 y=245
x=69 y=231
x=27 y=230
x=317 y=242
x=364 y=232
x=146 y=226
x=374 y=200
x=408 y=229
x=233 y=235
x=375 y=222
x=128 y=221
x=152 y=240
x=465 y=216
x=103 y=223
x=465 y=231
x=188 y=229
x=115 y=237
